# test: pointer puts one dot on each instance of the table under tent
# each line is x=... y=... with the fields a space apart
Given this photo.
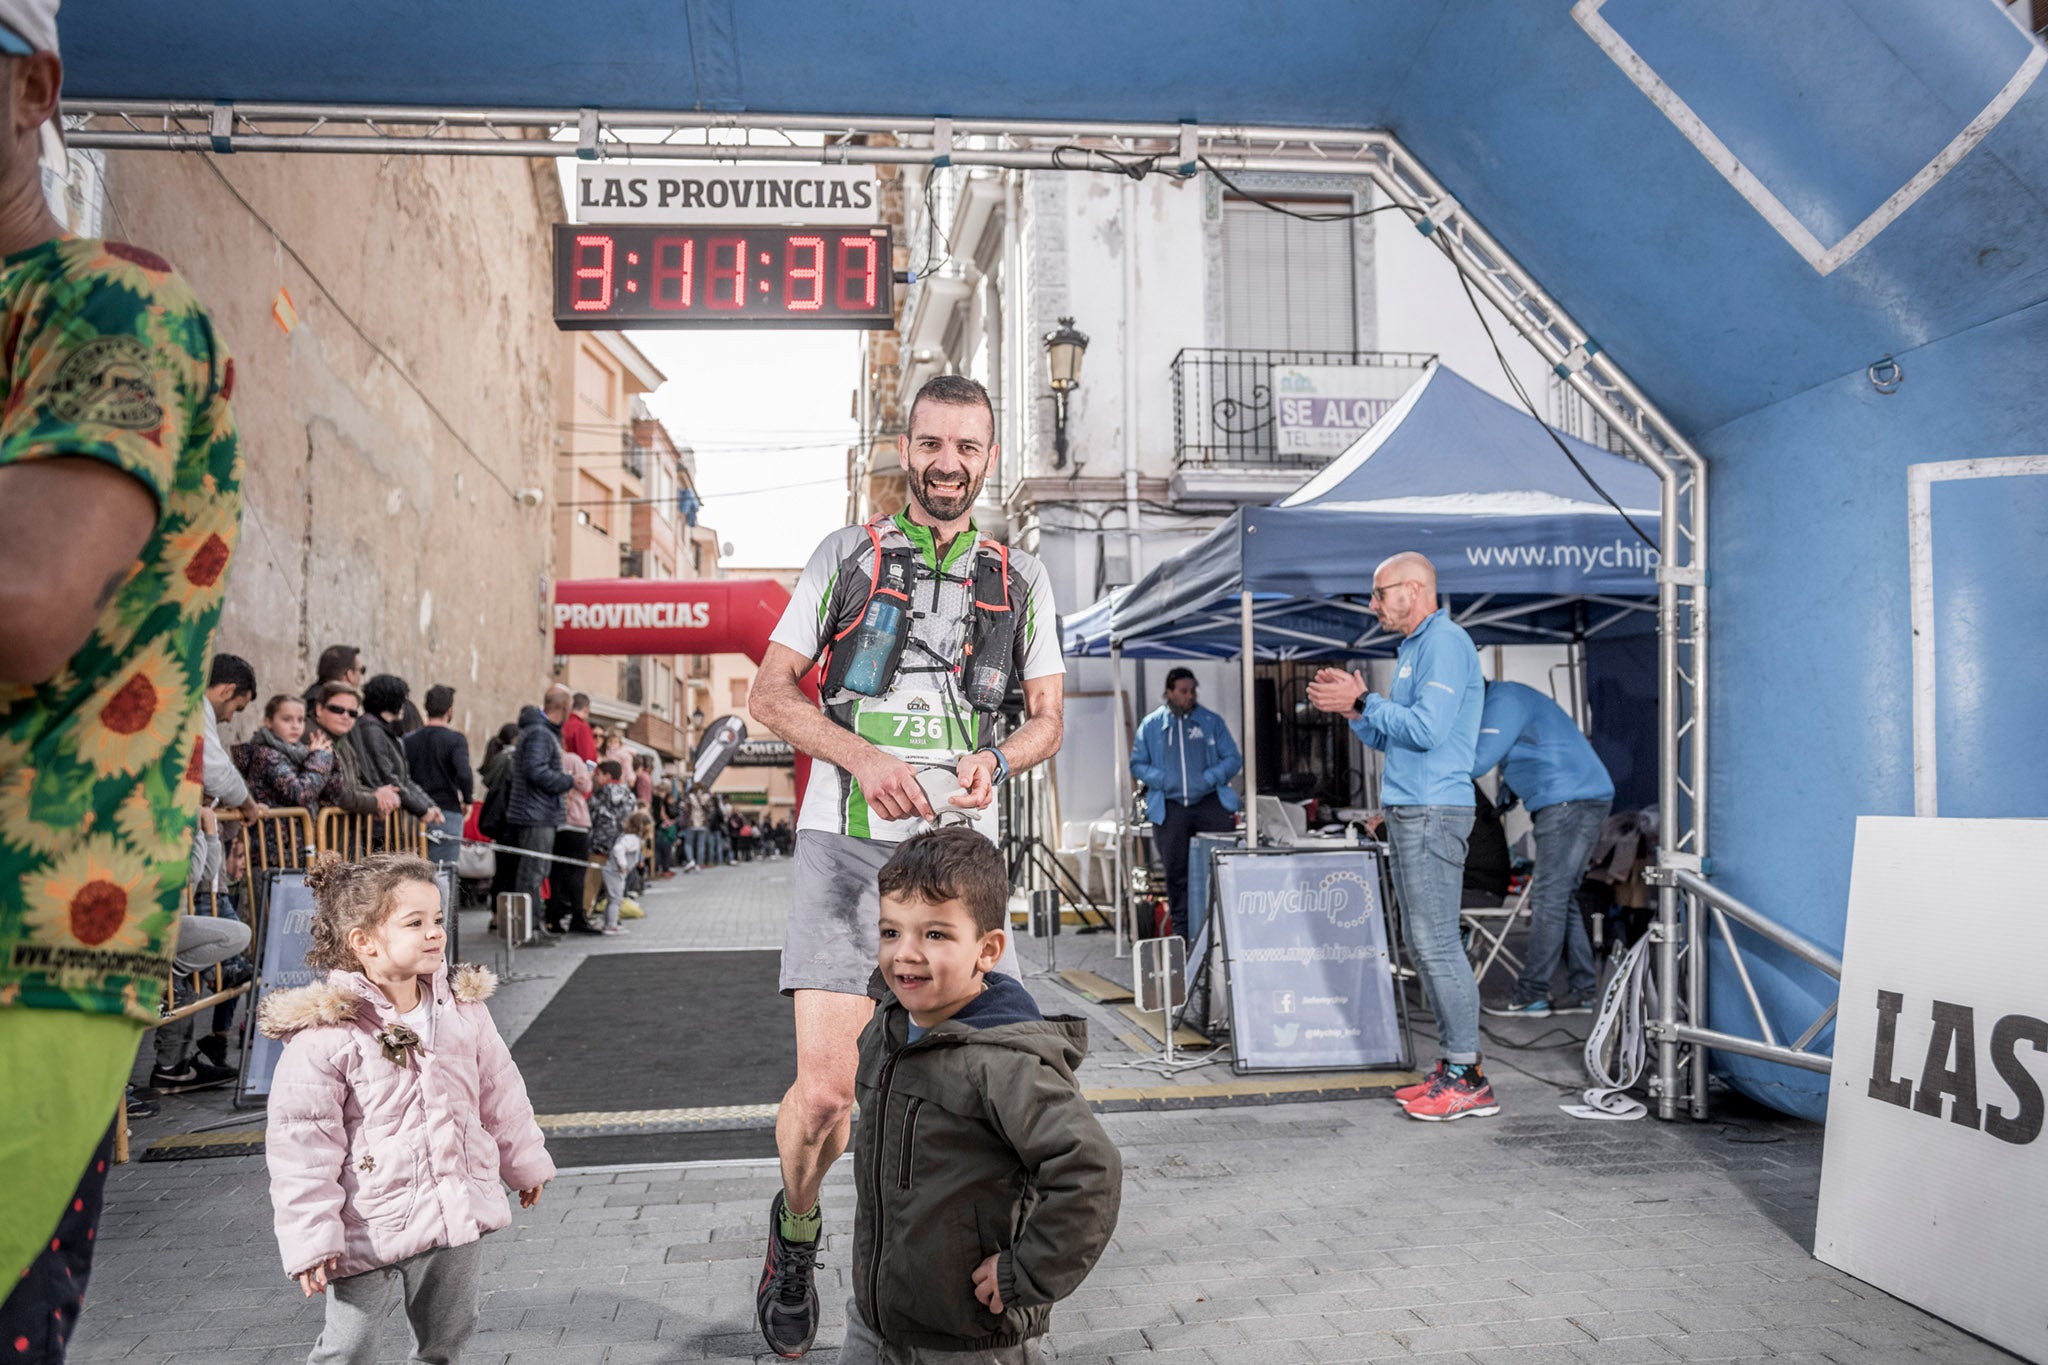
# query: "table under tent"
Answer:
x=1526 y=550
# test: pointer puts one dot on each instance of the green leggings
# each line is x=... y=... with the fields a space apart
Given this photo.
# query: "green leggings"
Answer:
x=62 y=1072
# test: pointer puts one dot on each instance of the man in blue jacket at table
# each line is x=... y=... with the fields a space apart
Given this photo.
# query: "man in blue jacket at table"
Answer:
x=1428 y=726
x=1185 y=757
x=1563 y=784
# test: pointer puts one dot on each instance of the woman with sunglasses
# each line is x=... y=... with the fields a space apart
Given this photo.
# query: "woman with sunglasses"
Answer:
x=336 y=708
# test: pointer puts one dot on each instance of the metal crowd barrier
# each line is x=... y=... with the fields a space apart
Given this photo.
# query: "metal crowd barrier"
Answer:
x=358 y=836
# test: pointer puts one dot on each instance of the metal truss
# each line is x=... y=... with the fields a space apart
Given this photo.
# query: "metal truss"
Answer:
x=1136 y=149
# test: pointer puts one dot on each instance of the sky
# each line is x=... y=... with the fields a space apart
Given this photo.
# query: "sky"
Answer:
x=770 y=416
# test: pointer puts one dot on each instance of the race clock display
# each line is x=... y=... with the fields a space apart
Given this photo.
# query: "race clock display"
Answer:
x=675 y=277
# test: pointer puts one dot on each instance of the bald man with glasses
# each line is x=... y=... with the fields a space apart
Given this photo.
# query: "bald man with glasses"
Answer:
x=1428 y=727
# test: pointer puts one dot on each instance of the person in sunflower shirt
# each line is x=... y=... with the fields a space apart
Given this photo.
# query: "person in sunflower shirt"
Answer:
x=119 y=506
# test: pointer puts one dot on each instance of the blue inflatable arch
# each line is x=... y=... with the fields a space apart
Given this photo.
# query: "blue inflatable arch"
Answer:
x=1814 y=235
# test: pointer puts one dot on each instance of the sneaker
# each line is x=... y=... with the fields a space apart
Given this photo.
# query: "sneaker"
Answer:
x=214 y=1048
x=1573 y=1002
x=141 y=1106
x=1519 y=1009
x=786 y=1302
x=193 y=1075
x=1464 y=1095
x=1416 y=1091
x=615 y=931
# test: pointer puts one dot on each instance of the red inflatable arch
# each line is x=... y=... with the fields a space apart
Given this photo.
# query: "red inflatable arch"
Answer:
x=674 y=616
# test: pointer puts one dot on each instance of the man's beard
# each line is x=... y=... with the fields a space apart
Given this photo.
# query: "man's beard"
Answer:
x=944 y=509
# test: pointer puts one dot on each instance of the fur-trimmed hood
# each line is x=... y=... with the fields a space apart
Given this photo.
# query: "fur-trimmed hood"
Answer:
x=339 y=998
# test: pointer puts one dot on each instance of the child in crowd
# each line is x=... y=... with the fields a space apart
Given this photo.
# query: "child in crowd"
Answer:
x=620 y=863
x=987 y=1190
x=395 y=1112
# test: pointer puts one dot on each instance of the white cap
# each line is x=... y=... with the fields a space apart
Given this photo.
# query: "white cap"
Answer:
x=28 y=26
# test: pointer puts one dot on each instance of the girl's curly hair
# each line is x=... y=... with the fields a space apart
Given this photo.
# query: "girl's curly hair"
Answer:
x=355 y=895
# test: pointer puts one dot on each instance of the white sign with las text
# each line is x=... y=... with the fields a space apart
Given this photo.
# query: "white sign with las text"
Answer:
x=1933 y=1185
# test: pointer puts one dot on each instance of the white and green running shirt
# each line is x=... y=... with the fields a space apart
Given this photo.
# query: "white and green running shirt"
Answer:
x=924 y=719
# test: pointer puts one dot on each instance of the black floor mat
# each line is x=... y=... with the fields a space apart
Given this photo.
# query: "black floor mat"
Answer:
x=632 y=1149
x=638 y=1031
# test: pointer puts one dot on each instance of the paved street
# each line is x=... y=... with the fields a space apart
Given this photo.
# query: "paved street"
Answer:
x=1284 y=1232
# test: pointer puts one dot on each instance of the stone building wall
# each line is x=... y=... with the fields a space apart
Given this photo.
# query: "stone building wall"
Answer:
x=387 y=435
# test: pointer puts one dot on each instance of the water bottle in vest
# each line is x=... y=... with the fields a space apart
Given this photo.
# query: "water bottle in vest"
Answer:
x=987 y=684
x=873 y=643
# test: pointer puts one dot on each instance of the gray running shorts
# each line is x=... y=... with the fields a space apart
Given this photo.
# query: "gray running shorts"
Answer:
x=834 y=934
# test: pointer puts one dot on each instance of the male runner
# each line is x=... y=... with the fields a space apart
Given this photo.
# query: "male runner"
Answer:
x=887 y=765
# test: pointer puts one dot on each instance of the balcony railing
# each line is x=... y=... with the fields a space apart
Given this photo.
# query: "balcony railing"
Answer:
x=632 y=563
x=1224 y=409
x=636 y=460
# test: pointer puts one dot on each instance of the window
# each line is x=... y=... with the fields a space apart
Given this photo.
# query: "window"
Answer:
x=1288 y=285
x=596 y=382
x=596 y=504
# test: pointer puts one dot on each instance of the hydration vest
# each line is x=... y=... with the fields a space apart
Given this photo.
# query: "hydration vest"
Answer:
x=984 y=664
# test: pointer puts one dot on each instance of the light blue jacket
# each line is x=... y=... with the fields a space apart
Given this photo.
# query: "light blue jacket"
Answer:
x=1428 y=725
x=1541 y=753
x=1184 y=758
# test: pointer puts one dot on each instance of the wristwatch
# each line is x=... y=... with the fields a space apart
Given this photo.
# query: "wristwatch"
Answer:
x=1002 y=766
x=1358 y=706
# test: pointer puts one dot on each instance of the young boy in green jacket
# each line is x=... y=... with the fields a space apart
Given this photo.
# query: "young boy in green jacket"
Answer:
x=987 y=1190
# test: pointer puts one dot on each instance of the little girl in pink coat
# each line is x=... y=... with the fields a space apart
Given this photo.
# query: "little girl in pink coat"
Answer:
x=397 y=1117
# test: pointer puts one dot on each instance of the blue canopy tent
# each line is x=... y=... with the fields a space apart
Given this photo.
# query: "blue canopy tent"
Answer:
x=1527 y=551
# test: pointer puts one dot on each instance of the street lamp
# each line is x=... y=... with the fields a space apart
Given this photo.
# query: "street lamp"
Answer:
x=1063 y=351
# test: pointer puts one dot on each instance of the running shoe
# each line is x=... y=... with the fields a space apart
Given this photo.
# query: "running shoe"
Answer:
x=195 y=1074
x=786 y=1301
x=1416 y=1091
x=1574 y=1002
x=1520 y=1009
x=1461 y=1096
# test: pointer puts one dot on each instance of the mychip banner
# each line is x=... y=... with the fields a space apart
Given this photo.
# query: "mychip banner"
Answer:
x=287 y=935
x=1310 y=972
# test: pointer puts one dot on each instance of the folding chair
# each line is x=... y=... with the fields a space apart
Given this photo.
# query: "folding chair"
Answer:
x=1487 y=942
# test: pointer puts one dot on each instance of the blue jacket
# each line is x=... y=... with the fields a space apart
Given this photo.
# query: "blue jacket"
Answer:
x=1542 y=755
x=1184 y=758
x=1429 y=724
x=538 y=782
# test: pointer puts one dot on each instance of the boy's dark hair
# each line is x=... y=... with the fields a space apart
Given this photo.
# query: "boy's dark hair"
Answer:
x=336 y=661
x=440 y=701
x=610 y=768
x=953 y=863
x=385 y=692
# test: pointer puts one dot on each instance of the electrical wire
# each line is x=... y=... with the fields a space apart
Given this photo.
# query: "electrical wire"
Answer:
x=707 y=497
x=357 y=327
x=1317 y=216
x=1515 y=382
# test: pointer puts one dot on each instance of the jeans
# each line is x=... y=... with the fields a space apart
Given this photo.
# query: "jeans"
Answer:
x=528 y=873
x=1565 y=833
x=1429 y=875
x=203 y=941
x=1176 y=829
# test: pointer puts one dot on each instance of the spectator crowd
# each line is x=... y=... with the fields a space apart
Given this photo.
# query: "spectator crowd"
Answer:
x=551 y=782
